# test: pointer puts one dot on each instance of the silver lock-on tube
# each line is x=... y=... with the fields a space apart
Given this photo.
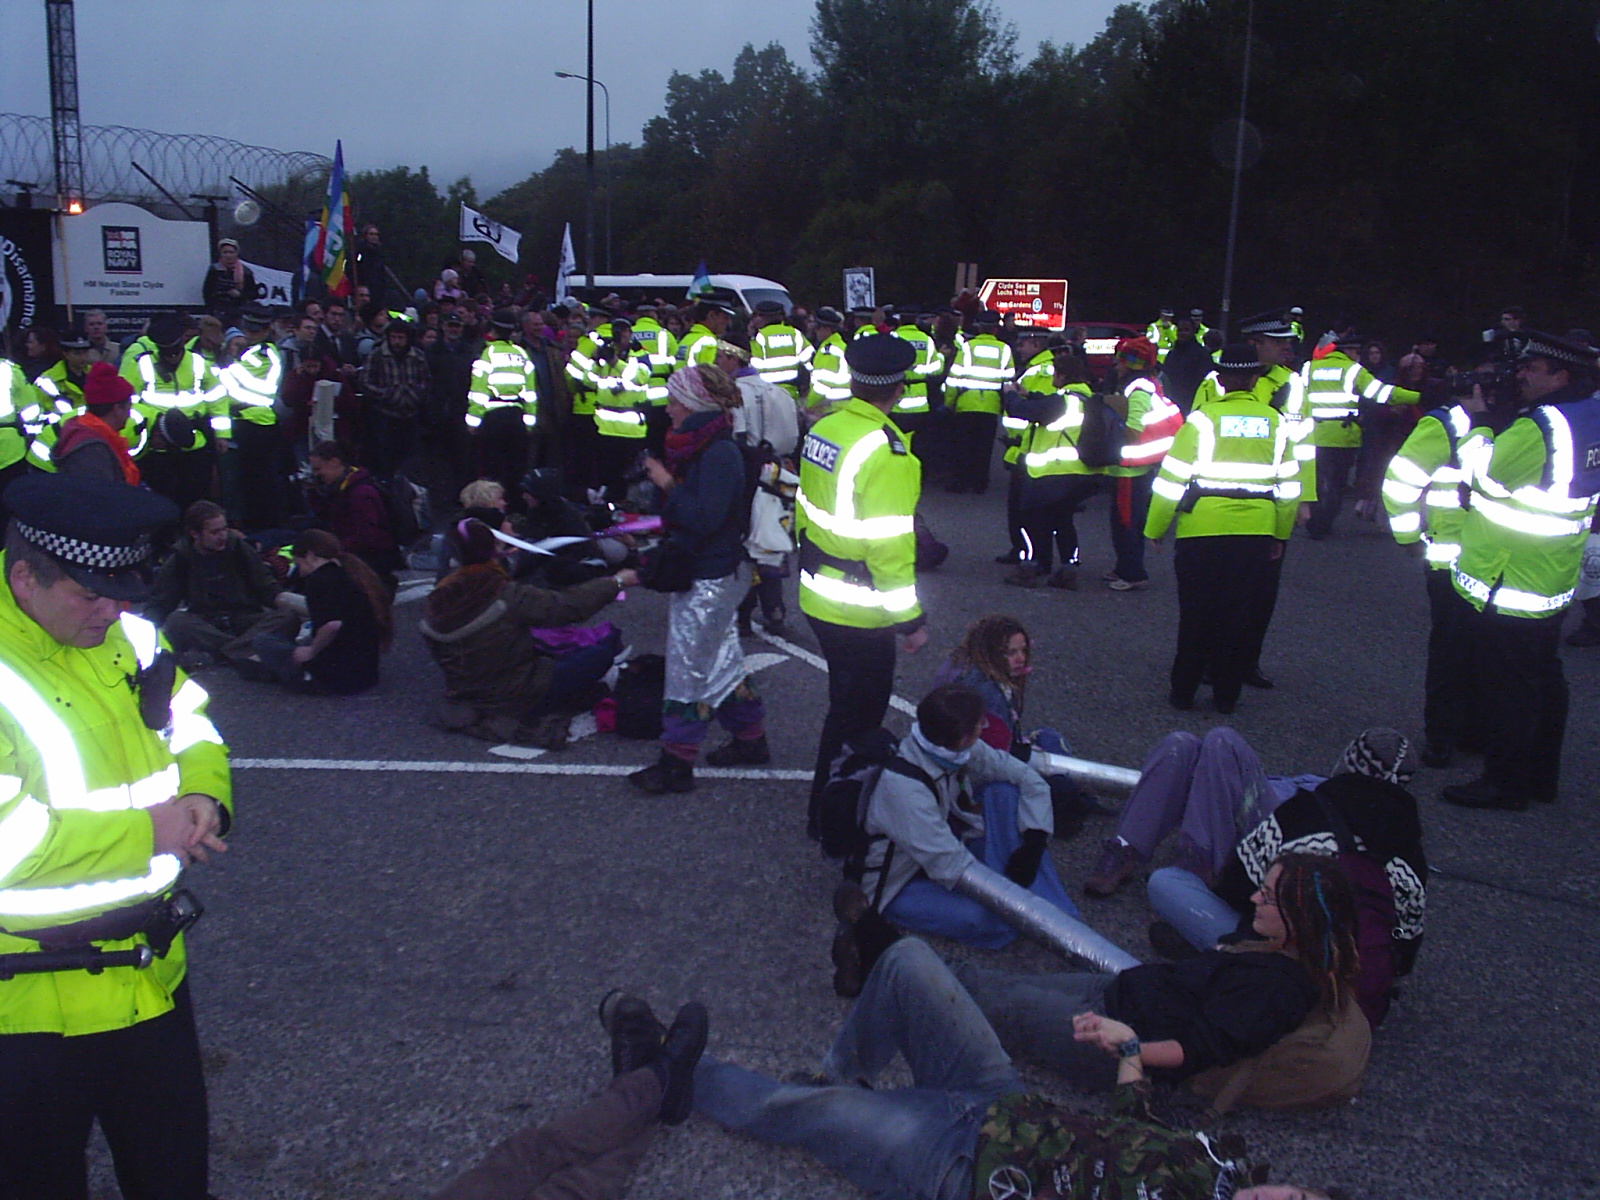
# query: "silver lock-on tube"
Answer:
x=1041 y=920
x=1097 y=777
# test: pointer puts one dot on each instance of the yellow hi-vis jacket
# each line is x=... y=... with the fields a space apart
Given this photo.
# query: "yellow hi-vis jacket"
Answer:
x=1285 y=390
x=252 y=383
x=21 y=412
x=777 y=352
x=1425 y=487
x=830 y=377
x=1335 y=386
x=193 y=389
x=622 y=391
x=503 y=377
x=983 y=365
x=662 y=350
x=1230 y=471
x=77 y=768
x=929 y=363
x=1037 y=376
x=859 y=486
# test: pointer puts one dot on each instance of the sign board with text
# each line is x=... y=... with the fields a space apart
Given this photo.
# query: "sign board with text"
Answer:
x=26 y=294
x=1035 y=303
x=115 y=255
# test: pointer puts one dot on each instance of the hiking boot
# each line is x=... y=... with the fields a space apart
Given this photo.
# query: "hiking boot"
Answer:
x=1065 y=578
x=1118 y=861
x=776 y=626
x=1171 y=945
x=1119 y=584
x=668 y=773
x=1024 y=576
x=635 y=1032
x=739 y=752
x=746 y=630
x=680 y=1053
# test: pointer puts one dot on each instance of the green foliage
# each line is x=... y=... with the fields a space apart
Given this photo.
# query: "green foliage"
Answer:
x=1423 y=162
x=418 y=224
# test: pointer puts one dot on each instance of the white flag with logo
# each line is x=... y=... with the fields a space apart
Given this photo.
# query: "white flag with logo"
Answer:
x=568 y=267
x=475 y=227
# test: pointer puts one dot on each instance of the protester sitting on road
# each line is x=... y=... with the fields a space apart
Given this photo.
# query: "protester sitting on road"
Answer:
x=346 y=502
x=1212 y=1010
x=704 y=482
x=994 y=659
x=591 y=1152
x=502 y=682
x=947 y=800
x=351 y=622
x=965 y=1127
x=214 y=594
x=1233 y=820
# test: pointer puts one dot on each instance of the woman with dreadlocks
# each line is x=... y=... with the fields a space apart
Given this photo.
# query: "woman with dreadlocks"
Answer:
x=1232 y=820
x=1211 y=1010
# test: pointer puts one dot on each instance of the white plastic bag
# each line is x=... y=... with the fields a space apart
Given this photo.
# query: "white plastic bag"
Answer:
x=1589 y=570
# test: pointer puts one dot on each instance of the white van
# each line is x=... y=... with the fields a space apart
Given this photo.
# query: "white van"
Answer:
x=737 y=291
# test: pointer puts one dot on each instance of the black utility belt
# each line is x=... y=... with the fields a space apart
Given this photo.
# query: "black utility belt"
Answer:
x=812 y=557
x=1193 y=496
x=160 y=919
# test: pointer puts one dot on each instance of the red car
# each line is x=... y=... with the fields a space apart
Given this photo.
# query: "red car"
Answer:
x=1100 y=341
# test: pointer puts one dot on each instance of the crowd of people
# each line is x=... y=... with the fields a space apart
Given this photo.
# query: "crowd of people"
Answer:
x=240 y=478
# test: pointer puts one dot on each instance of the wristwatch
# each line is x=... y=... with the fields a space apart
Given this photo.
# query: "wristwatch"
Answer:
x=1128 y=1049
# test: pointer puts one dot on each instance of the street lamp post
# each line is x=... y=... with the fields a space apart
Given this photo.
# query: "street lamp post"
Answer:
x=568 y=75
x=1238 y=168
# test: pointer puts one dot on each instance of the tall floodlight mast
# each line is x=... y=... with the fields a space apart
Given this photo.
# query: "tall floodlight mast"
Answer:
x=64 y=128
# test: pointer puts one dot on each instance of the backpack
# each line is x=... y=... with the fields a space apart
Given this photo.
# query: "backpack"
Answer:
x=852 y=776
x=409 y=509
x=1376 y=918
x=1100 y=436
x=641 y=687
x=1318 y=1065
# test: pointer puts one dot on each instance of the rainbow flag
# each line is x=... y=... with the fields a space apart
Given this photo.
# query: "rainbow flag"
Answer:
x=335 y=231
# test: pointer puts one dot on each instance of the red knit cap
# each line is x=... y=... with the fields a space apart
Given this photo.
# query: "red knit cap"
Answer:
x=1140 y=346
x=104 y=387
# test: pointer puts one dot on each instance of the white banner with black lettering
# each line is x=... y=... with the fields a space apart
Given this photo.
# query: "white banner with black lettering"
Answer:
x=475 y=227
x=272 y=287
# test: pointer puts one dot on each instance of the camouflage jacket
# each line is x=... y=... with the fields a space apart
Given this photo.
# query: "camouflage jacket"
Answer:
x=1031 y=1148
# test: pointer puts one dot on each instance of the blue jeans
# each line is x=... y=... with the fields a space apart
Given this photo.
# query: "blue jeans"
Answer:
x=577 y=671
x=1032 y=1014
x=914 y=1143
x=923 y=906
x=1182 y=898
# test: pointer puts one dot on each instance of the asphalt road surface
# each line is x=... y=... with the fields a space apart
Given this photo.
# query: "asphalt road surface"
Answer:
x=405 y=945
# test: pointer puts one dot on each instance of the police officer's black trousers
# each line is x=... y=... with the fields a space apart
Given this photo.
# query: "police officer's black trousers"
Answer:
x=1014 y=509
x=500 y=447
x=860 y=680
x=144 y=1086
x=971 y=447
x=1333 y=479
x=1525 y=701
x=1049 y=505
x=1217 y=577
x=1262 y=605
x=1451 y=713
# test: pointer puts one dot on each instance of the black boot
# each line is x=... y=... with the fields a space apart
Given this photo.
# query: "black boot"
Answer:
x=668 y=773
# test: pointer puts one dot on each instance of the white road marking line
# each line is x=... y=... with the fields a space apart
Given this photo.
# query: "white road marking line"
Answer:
x=821 y=664
x=424 y=767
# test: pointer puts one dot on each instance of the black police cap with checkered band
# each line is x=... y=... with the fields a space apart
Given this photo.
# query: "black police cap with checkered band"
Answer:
x=96 y=529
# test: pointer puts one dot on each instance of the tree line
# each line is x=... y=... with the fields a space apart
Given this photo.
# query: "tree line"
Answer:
x=1414 y=163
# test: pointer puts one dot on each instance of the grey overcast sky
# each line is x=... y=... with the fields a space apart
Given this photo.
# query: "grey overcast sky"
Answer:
x=465 y=87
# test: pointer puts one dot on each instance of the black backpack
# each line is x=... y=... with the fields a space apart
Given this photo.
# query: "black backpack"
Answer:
x=641 y=686
x=409 y=509
x=852 y=776
x=1100 y=436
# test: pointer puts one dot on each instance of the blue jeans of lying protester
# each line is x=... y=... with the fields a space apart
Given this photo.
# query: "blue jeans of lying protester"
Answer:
x=914 y=1143
x=922 y=906
x=576 y=671
x=1182 y=898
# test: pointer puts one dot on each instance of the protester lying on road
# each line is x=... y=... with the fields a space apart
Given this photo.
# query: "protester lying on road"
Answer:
x=1212 y=1010
x=1233 y=820
x=965 y=1127
x=592 y=1151
x=503 y=681
x=944 y=779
